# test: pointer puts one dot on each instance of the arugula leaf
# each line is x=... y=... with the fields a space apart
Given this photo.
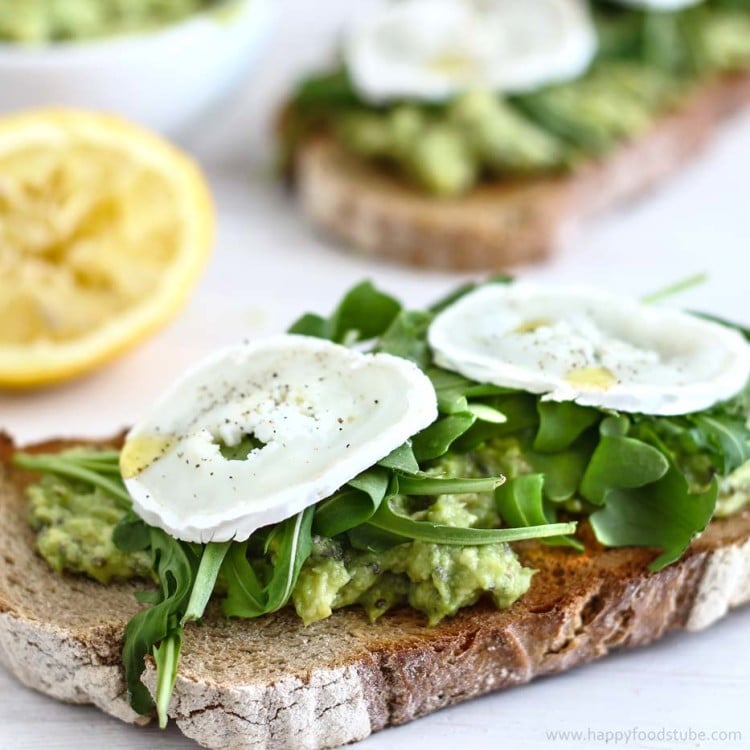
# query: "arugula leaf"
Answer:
x=374 y=482
x=451 y=390
x=436 y=440
x=247 y=595
x=205 y=580
x=454 y=391
x=520 y=503
x=332 y=89
x=167 y=658
x=428 y=485
x=353 y=505
x=663 y=514
x=620 y=462
x=86 y=466
x=358 y=502
x=520 y=413
x=312 y=325
x=401 y=459
x=343 y=511
x=131 y=534
x=560 y=424
x=370 y=539
x=176 y=567
x=563 y=471
x=726 y=440
x=487 y=413
x=406 y=337
x=663 y=45
x=386 y=520
x=677 y=288
x=363 y=314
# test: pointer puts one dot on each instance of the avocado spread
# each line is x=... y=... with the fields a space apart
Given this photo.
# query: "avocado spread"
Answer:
x=647 y=62
x=42 y=21
x=436 y=579
x=74 y=526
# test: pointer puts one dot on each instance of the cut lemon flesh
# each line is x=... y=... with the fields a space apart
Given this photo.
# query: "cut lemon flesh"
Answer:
x=104 y=230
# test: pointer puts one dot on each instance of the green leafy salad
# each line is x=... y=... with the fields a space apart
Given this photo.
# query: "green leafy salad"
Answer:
x=646 y=62
x=430 y=526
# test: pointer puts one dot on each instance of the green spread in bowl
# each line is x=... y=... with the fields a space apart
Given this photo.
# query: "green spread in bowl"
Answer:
x=44 y=21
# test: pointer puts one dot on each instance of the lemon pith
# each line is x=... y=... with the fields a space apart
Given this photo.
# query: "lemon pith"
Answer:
x=104 y=229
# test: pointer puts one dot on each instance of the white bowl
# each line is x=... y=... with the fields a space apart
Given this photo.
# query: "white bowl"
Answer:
x=161 y=78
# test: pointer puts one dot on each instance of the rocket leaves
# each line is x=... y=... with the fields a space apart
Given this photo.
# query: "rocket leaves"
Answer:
x=385 y=519
x=664 y=515
x=560 y=424
x=186 y=579
x=437 y=439
x=520 y=502
x=93 y=467
x=620 y=462
x=406 y=337
x=363 y=509
x=253 y=592
x=352 y=505
x=727 y=440
x=175 y=566
x=363 y=313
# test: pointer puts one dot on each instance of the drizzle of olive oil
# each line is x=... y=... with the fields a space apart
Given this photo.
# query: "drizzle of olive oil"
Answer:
x=454 y=65
x=531 y=325
x=591 y=378
x=140 y=451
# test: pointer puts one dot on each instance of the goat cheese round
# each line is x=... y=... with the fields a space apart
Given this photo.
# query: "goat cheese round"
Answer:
x=434 y=49
x=310 y=415
x=594 y=348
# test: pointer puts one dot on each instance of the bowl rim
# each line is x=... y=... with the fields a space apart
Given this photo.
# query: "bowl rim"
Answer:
x=19 y=52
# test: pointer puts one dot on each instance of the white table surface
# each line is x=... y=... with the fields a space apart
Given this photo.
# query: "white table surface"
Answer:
x=269 y=267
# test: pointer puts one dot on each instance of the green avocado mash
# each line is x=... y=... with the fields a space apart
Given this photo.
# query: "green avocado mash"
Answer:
x=734 y=492
x=435 y=579
x=647 y=62
x=74 y=526
x=42 y=21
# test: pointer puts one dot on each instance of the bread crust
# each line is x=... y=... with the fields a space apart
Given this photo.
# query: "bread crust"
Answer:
x=508 y=222
x=274 y=684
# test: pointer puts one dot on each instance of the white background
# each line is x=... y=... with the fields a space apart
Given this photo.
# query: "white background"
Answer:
x=269 y=266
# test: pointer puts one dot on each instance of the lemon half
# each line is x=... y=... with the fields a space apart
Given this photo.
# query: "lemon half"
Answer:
x=104 y=230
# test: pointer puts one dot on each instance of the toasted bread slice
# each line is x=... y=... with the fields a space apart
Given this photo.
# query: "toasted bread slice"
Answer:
x=272 y=683
x=513 y=220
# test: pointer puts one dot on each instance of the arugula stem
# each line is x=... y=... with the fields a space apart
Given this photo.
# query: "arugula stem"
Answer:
x=450 y=486
x=385 y=519
x=205 y=580
x=167 y=657
x=73 y=468
x=677 y=288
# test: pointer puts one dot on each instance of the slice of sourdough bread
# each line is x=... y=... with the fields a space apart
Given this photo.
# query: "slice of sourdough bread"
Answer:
x=508 y=222
x=272 y=683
